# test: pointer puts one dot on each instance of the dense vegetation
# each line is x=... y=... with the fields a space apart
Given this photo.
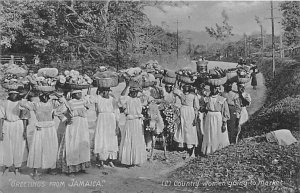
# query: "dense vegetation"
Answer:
x=117 y=33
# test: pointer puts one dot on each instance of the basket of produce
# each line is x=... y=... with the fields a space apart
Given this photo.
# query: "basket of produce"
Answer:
x=217 y=77
x=186 y=79
x=16 y=70
x=47 y=72
x=158 y=75
x=44 y=88
x=130 y=73
x=243 y=80
x=232 y=75
x=106 y=79
x=217 y=81
x=243 y=75
x=15 y=86
x=170 y=73
x=145 y=84
x=73 y=80
x=42 y=83
x=187 y=75
x=107 y=82
x=169 y=80
x=78 y=86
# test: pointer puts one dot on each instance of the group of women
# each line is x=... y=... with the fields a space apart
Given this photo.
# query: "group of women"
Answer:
x=209 y=120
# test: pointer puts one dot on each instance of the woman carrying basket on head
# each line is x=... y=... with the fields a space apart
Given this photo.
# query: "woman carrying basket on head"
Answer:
x=187 y=133
x=107 y=126
x=12 y=133
x=133 y=147
x=44 y=148
x=74 y=150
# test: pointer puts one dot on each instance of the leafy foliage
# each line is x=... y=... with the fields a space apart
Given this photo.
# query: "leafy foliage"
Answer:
x=93 y=32
x=291 y=21
x=221 y=32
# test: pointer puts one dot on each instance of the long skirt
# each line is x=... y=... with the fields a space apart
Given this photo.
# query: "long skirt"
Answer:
x=254 y=81
x=232 y=124
x=213 y=138
x=106 y=139
x=244 y=116
x=74 y=150
x=13 y=145
x=133 y=147
x=31 y=128
x=199 y=126
x=187 y=133
x=43 y=151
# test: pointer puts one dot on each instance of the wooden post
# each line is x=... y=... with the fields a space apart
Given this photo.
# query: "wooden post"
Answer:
x=273 y=40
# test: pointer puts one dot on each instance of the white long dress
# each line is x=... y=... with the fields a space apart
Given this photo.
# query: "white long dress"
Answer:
x=106 y=139
x=44 y=147
x=187 y=132
x=74 y=150
x=13 y=146
x=133 y=147
x=214 y=138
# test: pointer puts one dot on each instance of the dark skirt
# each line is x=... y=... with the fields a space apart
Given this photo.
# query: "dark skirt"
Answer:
x=254 y=81
x=232 y=124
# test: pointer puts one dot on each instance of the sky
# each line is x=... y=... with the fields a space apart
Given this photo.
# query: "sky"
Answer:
x=195 y=15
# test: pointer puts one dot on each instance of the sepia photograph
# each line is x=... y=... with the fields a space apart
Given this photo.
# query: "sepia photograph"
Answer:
x=147 y=96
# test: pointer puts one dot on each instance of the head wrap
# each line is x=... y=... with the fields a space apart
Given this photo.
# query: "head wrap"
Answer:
x=76 y=91
x=13 y=92
x=135 y=89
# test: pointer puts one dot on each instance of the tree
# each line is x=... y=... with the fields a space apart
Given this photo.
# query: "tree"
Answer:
x=221 y=32
x=291 y=21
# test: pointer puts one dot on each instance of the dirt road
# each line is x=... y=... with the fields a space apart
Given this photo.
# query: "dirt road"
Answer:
x=147 y=178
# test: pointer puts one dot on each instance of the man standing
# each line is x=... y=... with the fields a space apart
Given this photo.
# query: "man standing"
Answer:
x=233 y=105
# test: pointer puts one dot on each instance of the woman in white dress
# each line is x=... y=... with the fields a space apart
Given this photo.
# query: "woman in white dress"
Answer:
x=133 y=147
x=74 y=150
x=44 y=148
x=106 y=133
x=187 y=133
x=215 y=135
x=13 y=134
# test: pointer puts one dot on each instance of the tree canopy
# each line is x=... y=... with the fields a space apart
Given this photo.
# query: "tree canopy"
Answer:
x=91 y=31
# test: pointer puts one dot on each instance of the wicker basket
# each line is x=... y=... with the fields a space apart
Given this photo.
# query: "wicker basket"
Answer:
x=45 y=88
x=134 y=83
x=77 y=86
x=217 y=82
x=243 y=80
x=147 y=84
x=169 y=80
x=107 y=82
x=232 y=76
x=186 y=79
x=170 y=74
x=12 y=86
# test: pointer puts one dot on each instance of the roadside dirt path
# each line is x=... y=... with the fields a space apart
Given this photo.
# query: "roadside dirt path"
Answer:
x=147 y=178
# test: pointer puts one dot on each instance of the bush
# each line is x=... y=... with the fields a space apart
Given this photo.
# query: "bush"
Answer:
x=281 y=110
